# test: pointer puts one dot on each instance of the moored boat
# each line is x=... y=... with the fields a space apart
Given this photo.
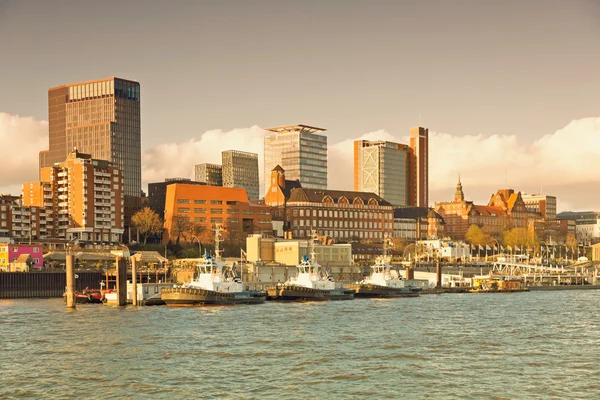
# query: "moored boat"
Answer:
x=87 y=296
x=313 y=283
x=148 y=294
x=212 y=284
x=497 y=284
x=383 y=282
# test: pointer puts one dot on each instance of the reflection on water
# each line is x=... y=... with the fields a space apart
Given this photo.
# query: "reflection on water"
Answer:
x=525 y=345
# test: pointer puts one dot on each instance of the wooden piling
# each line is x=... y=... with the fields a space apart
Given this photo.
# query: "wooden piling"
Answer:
x=70 y=269
x=121 y=281
x=133 y=281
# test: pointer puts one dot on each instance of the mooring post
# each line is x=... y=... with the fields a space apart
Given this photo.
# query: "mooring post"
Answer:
x=134 y=281
x=438 y=274
x=69 y=261
x=121 y=281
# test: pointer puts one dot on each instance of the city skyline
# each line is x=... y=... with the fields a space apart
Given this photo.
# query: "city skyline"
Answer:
x=521 y=93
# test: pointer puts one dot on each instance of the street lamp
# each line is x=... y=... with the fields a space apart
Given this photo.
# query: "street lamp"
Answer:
x=541 y=254
x=497 y=248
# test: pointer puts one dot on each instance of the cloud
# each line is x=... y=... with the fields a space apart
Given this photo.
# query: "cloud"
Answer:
x=177 y=160
x=21 y=139
x=562 y=163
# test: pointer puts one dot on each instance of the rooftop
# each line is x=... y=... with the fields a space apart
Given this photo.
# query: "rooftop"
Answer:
x=295 y=128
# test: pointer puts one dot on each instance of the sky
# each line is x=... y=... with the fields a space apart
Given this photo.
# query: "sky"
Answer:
x=509 y=90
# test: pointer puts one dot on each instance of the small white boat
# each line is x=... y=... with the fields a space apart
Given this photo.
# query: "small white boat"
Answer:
x=148 y=294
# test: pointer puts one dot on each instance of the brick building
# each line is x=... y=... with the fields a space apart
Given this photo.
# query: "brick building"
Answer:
x=342 y=215
x=504 y=211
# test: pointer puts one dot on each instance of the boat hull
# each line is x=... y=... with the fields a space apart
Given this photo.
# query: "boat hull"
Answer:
x=199 y=297
x=341 y=294
x=297 y=293
x=367 y=290
x=498 y=290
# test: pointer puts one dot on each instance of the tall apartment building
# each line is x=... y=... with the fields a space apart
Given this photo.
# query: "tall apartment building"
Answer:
x=210 y=174
x=419 y=167
x=23 y=223
x=87 y=198
x=300 y=151
x=100 y=118
x=382 y=168
x=541 y=203
x=240 y=169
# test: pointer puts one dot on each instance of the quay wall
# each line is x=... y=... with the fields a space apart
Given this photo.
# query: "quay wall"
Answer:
x=19 y=285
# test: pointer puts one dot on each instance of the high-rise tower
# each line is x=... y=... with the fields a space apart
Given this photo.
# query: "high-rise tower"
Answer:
x=240 y=169
x=300 y=151
x=382 y=168
x=100 y=118
x=419 y=167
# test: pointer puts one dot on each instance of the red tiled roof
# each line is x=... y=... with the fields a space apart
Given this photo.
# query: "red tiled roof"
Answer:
x=489 y=210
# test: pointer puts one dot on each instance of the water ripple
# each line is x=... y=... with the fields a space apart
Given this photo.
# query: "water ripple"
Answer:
x=536 y=345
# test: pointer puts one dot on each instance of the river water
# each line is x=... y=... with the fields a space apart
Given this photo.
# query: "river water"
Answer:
x=522 y=345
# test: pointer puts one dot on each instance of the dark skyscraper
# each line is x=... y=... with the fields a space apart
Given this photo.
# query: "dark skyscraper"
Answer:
x=100 y=118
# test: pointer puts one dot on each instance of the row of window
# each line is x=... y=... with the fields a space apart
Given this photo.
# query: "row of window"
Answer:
x=342 y=224
x=339 y=214
x=341 y=234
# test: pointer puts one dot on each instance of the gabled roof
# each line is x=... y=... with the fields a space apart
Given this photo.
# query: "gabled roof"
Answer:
x=150 y=257
x=512 y=200
x=317 y=196
x=489 y=210
x=289 y=185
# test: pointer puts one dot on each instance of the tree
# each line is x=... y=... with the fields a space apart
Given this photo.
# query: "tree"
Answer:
x=520 y=237
x=179 y=226
x=147 y=222
x=572 y=243
x=476 y=236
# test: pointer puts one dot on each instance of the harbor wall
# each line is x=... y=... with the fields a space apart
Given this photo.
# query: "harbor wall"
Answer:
x=15 y=285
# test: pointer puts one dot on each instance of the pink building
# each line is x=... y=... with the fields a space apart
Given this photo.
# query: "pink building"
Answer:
x=36 y=252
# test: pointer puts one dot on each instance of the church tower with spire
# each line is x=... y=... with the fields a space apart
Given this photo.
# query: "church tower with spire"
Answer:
x=459 y=195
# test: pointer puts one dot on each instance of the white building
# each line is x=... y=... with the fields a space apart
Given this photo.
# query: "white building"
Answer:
x=446 y=249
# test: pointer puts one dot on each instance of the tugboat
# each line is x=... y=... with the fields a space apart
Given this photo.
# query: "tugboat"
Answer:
x=383 y=282
x=313 y=283
x=212 y=284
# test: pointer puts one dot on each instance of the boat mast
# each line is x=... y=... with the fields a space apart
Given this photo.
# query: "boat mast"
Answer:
x=218 y=242
x=313 y=254
x=386 y=240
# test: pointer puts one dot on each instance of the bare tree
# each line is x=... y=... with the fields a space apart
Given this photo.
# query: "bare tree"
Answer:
x=180 y=226
x=147 y=222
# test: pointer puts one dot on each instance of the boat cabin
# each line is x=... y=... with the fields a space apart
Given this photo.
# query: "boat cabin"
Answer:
x=499 y=283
